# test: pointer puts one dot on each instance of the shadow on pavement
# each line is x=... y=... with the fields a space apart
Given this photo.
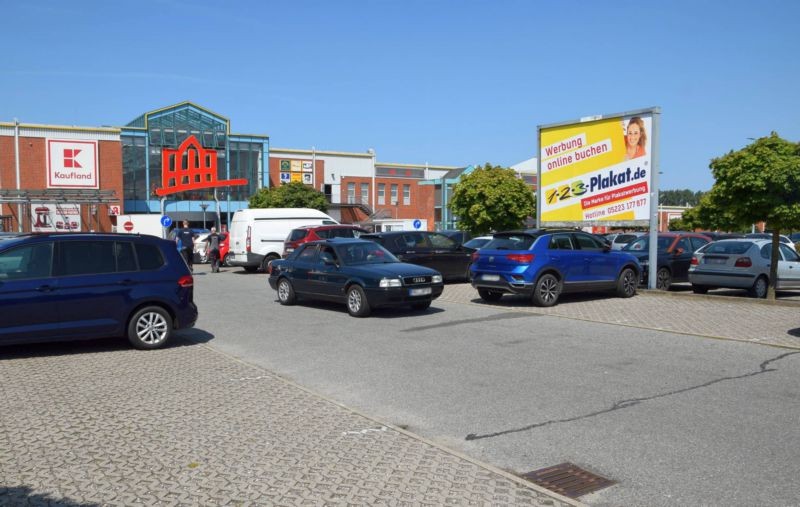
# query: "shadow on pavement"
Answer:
x=25 y=496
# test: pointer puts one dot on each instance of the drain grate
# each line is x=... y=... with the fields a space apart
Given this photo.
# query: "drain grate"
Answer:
x=568 y=480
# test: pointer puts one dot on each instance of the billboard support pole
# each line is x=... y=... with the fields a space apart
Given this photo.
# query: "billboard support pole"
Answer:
x=538 y=176
x=655 y=166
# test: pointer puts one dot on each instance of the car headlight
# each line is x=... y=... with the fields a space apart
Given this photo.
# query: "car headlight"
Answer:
x=436 y=279
x=390 y=282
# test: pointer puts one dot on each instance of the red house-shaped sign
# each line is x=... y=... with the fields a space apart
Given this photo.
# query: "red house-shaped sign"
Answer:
x=190 y=167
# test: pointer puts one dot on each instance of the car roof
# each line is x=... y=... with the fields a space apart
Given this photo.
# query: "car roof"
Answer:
x=539 y=232
x=331 y=226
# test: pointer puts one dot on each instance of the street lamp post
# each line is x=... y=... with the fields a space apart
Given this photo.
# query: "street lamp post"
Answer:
x=204 y=206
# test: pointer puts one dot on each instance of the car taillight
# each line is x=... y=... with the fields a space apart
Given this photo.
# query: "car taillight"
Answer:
x=247 y=242
x=694 y=262
x=475 y=256
x=186 y=281
x=743 y=262
x=521 y=258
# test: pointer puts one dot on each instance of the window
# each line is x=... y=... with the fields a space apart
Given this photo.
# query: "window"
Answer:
x=788 y=254
x=684 y=244
x=442 y=241
x=560 y=242
x=150 y=258
x=381 y=193
x=394 y=194
x=586 y=242
x=87 y=257
x=365 y=193
x=126 y=259
x=307 y=254
x=698 y=243
x=29 y=261
x=298 y=234
x=766 y=251
x=406 y=195
x=351 y=193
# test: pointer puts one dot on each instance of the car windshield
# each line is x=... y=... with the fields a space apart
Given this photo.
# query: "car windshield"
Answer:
x=643 y=244
x=510 y=242
x=477 y=242
x=364 y=253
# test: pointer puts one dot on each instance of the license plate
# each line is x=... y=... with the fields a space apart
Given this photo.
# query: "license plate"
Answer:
x=715 y=261
x=491 y=278
x=421 y=291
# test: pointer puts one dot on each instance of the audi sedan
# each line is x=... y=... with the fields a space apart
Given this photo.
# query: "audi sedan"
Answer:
x=360 y=273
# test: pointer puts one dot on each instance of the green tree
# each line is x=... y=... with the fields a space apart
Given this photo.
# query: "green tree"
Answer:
x=290 y=195
x=760 y=182
x=684 y=197
x=492 y=198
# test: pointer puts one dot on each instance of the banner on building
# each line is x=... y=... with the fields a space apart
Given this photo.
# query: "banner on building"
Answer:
x=597 y=170
x=51 y=217
x=72 y=164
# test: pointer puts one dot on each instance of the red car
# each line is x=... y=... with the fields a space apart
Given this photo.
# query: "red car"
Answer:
x=224 y=247
x=308 y=233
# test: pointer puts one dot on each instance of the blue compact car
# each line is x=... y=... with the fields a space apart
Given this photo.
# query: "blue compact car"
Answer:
x=360 y=273
x=545 y=263
x=77 y=286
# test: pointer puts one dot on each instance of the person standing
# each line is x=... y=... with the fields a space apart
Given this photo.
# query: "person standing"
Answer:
x=185 y=238
x=213 y=241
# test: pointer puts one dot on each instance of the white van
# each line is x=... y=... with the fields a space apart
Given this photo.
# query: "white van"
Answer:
x=257 y=234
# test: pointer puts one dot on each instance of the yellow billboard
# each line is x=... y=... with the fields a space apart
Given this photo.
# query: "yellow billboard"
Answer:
x=597 y=170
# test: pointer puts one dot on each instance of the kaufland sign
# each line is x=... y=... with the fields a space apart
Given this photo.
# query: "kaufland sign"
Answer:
x=71 y=164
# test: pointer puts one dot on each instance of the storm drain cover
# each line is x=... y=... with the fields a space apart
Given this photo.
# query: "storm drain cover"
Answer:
x=568 y=480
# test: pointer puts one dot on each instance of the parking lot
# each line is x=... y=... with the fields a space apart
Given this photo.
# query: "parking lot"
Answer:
x=264 y=404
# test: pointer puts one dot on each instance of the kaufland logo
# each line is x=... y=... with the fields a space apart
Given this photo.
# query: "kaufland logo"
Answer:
x=71 y=164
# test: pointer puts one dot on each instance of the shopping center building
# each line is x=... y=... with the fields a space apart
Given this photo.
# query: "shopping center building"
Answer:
x=183 y=161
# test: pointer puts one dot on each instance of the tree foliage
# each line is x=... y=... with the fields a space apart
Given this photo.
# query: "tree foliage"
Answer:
x=682 y=197
x=492 y=198
x=760 y=182
x=290 y=195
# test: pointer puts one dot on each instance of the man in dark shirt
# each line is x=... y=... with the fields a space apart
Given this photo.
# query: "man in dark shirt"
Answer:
x=213 y=240
x=185 y=238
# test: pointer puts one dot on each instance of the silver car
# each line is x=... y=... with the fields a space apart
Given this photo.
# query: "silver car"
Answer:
x=743 y=264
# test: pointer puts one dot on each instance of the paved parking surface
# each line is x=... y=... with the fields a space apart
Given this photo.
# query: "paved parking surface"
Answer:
x=101 y=424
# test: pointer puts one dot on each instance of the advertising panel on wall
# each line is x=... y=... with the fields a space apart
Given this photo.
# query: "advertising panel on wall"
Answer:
x=50 y=217
x=599 y=170
x=72 y=164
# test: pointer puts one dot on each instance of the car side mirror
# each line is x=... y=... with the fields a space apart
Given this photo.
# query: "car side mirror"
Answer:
x=606 y=247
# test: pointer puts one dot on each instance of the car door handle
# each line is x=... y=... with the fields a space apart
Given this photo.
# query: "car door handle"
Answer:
x=45 y=288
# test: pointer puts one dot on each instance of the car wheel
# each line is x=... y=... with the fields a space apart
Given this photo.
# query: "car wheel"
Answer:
x=759 y=288
x=626 y=283
x=421 y=306
x=150 y=328
x=489 y=295
x=357 y=304
x=286 y=295
x=546 y=291
x=699 y=289
x=226 y=259
x=663 y=279
x=266 y=261
x=468 y=276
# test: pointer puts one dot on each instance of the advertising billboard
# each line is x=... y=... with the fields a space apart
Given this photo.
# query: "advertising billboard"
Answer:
x=71 y=164
x=50 y=217
x=598 y=171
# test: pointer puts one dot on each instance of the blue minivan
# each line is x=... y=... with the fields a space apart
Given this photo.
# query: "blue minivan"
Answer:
x=77 y=286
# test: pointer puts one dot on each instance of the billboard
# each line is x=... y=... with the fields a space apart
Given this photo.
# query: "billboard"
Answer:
x=598 y=170
x=51 y=217
x=71 y=164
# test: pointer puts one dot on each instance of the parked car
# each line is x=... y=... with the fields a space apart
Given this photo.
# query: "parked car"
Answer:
x=431 y=249
x=362 y=274
x=545 y=263
x=621 y=239
x=457 y=235
x=306 y=233
x=478 y=243
x=75 y=286
x=786 y=240
x=674 y=250
x=743 y=264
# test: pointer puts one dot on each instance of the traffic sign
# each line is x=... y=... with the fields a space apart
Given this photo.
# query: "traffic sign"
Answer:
x=128 y=226
x=166 y=221
x=114 y=210
x=417 y=223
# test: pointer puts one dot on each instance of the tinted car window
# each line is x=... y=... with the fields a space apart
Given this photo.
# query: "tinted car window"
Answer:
x=415 y=240
x=732 y=248
x=586 y=242
x=624 y=238
x=643 y=244
x=126 y=259
x=510 y=242
x=149 y=256
x=560 y=242
x=442 y=241
x=29 y=261
x=307 y=254
x=788 y=253
x=298 y=234
x=766 y=251
x=324 y=234
x=684 y=244
x=697 y=243
x=87 y=257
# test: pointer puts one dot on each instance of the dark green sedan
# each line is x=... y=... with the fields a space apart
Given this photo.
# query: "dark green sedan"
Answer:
x=362 y=274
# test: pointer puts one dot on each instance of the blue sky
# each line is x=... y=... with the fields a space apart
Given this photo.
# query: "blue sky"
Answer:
x=443 y=82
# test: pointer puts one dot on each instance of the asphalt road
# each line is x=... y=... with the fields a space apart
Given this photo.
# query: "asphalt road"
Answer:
x=674 y=419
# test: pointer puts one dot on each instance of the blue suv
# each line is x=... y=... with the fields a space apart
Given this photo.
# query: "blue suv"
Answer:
x=544 y=263
x=67 y=286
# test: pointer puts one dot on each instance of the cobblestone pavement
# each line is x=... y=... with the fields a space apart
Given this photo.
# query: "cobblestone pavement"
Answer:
x=727 y=317
x=95 y=424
